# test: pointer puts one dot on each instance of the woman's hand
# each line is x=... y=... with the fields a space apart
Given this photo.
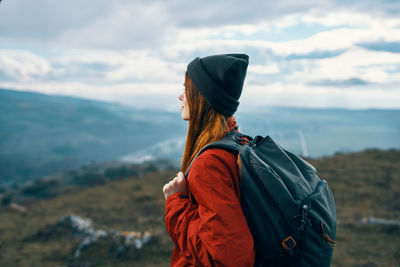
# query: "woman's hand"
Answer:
x=178 y=184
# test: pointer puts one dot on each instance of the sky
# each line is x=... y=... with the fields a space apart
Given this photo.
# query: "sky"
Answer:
x=315 y=54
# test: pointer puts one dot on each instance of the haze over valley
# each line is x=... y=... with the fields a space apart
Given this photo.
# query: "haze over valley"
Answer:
x=43 y=134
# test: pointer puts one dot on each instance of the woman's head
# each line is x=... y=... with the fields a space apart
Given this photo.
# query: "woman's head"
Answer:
x=205 y=123
x=212 y=88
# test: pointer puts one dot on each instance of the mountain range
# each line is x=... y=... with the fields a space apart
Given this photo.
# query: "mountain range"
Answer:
x=43 y=134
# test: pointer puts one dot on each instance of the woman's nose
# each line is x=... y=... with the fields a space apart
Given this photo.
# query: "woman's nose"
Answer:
x=180 y=97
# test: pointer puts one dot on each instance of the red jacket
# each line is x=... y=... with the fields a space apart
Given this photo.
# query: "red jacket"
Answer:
x=209 y=227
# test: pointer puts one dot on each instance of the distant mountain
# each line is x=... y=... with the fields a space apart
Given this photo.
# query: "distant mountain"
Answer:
x=318 y=132
x=42 y=134
x=307 y=132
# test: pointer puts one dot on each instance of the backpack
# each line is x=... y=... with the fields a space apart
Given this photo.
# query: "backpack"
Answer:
x=290 y=211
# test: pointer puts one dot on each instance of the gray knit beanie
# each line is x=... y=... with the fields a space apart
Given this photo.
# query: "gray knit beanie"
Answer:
x=219 y=79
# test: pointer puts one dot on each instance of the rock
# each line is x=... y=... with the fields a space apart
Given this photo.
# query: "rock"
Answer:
x=88 y=240
x=17 y=207
x=124 y=241
x=377 y=221
x=82 y=228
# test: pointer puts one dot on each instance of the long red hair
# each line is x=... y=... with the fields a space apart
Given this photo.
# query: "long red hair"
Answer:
x=205 y=124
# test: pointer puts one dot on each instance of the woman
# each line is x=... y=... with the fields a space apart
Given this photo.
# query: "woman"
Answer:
x=203 y=213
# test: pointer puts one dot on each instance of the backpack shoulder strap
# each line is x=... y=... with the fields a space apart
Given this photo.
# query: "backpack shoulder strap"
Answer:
x=231 y=142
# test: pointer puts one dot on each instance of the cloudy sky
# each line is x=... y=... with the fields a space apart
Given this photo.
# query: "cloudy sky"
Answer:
x=302 y=53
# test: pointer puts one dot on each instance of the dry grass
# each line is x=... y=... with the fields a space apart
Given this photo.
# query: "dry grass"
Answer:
x=364 y=184
x=130 y=205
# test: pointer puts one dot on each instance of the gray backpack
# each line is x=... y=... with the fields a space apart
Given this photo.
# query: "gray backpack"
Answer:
x=290 y=211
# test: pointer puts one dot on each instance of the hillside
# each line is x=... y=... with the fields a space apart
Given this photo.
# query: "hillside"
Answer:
x=365 y=184
x=42 y=134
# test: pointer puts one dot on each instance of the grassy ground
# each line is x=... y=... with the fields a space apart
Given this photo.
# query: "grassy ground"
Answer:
x=128 y=205
x=364 y=184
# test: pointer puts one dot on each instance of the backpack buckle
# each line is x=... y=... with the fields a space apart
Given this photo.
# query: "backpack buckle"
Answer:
x=288 y=243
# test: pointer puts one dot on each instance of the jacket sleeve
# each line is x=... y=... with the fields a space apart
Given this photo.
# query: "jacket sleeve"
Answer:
x=214 y=231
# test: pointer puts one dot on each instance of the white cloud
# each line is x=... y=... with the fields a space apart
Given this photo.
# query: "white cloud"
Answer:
x=22 y=65
x=351 y=19
x=335 y=39
x=297 y=95
x=119 y=66
x=165 y=95
x=135 y=53
x=370 y=66
x=126 y=26
x=263 y=69
x=127 y=65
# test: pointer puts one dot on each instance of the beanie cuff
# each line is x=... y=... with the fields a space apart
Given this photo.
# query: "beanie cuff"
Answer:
x=211 y=91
